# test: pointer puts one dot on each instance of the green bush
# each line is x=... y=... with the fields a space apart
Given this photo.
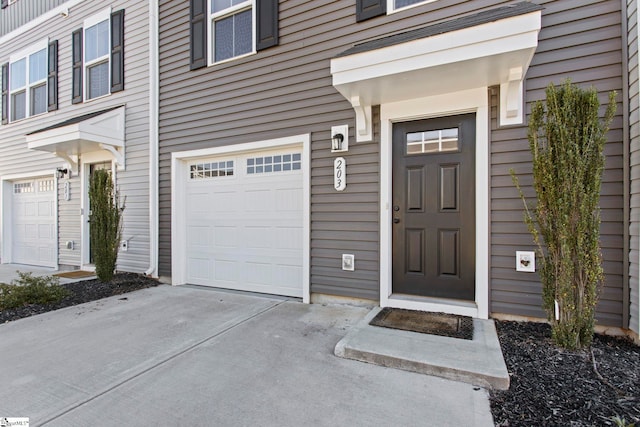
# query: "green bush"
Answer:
x=567 y=138
x=28 y=290
x=105 y=231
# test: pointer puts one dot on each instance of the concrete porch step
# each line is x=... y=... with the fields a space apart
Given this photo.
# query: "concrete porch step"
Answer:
x=478 y=361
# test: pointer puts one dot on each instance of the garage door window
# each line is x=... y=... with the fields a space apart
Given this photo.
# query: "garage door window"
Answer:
x=271 y=164
x=211 y=169
x=45 y=185
x=22 y=187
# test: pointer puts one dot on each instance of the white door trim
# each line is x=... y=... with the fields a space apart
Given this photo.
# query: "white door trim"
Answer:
x=179 y=169
x=85 y=161
x=6 y=213
x=468 y=101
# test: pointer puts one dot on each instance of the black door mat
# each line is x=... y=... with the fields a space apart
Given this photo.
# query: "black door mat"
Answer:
x=447 y=325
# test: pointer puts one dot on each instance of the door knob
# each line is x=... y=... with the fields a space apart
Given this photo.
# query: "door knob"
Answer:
x=396 y=220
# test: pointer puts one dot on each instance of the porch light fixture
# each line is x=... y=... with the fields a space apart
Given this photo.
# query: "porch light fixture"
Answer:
x=62 y=172
x=339 y=138
x=336 y=142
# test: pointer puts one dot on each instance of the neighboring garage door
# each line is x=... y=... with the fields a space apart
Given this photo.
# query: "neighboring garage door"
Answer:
x=244 y=222
x=33 y=220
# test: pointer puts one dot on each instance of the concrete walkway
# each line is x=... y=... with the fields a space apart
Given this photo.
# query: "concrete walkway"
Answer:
x=192 y=356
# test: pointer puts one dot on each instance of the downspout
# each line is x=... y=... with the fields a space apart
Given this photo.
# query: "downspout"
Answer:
x=154 y=86
x=626 y=165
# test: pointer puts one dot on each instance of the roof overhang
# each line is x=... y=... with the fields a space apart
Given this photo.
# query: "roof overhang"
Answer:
x=449 y=58
x=102 y=130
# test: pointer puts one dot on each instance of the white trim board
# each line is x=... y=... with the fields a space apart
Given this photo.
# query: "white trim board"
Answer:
x=468 y=101
x=179 y=167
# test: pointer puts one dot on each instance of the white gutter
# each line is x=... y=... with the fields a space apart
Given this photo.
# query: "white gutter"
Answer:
x=154 y=88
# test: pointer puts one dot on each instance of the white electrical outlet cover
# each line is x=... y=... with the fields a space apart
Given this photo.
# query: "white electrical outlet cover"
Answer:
x=348 y=262
x=526 y=261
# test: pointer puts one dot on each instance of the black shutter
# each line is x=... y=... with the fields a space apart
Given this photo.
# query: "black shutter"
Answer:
x=267 y=24
x=76 y=73
x=367 y=9
x=198 y=33
x=5 y=93
x=5 y=3
x=52 y=77
x=117 y=51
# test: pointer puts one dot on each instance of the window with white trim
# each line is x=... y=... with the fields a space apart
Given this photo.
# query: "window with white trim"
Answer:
x=28 y=82
x=96 y=55
x=97 y=52
x=231 y=28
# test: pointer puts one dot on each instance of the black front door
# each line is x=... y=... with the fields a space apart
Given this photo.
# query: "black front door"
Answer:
x=433 y=208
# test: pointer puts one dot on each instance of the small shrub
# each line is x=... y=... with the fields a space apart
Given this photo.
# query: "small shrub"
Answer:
x=28 y=290
x=567 y=139
x=106 y=223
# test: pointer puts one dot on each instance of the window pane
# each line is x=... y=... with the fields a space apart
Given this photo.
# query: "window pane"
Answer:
x=96 y=42
x=433 y=141
x=18 y=74
x=218 y=5
x=98 y=80
x=224 y=39
x=18 y=106
x=38 y=99
x=38 y=66
x=403 y=3
x=233 y=36
x=242 y=32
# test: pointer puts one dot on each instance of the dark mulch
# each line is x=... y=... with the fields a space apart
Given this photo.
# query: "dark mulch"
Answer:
x=554 y=387
x=84 y=291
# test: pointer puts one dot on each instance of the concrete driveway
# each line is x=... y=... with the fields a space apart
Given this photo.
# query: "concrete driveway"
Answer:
x=200 y=357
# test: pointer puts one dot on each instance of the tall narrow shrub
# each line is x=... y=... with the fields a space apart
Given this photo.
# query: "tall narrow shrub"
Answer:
x=567 y=138
x=105 y=223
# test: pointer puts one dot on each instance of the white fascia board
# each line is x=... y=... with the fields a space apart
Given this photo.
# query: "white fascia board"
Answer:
x=511 y=34
x=60 y=10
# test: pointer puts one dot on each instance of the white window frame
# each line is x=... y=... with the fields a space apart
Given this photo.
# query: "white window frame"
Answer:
x=224 y=14
x=104 y=15
x=25 y=54
x=392 y=9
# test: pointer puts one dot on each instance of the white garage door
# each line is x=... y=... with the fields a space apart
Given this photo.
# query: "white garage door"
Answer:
x=244 y=222
x=34 y=219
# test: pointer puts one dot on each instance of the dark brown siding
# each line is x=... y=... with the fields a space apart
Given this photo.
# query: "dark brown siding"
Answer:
x=282 y=91
x=286 y=90
x=634 y=136
x=581 y=41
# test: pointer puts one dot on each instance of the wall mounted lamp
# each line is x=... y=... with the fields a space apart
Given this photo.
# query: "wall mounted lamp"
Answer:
x=339 y=138
x=62 y=172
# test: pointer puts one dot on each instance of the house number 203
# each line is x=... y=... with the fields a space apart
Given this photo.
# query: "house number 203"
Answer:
x=339 y=174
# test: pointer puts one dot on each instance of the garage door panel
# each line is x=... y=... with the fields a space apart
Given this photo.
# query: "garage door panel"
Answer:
x=34 y=239
x=253 y=227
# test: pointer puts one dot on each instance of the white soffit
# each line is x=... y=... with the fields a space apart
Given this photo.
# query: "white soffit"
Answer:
x=68 y=140
x=493 y=53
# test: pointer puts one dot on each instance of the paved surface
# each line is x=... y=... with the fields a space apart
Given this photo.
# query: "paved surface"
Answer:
x=478 y=361
x=9 y=272
x=192 y=356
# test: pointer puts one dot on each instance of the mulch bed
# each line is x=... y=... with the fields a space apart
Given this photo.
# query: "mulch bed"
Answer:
x=84 y=291
x=555 y=387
